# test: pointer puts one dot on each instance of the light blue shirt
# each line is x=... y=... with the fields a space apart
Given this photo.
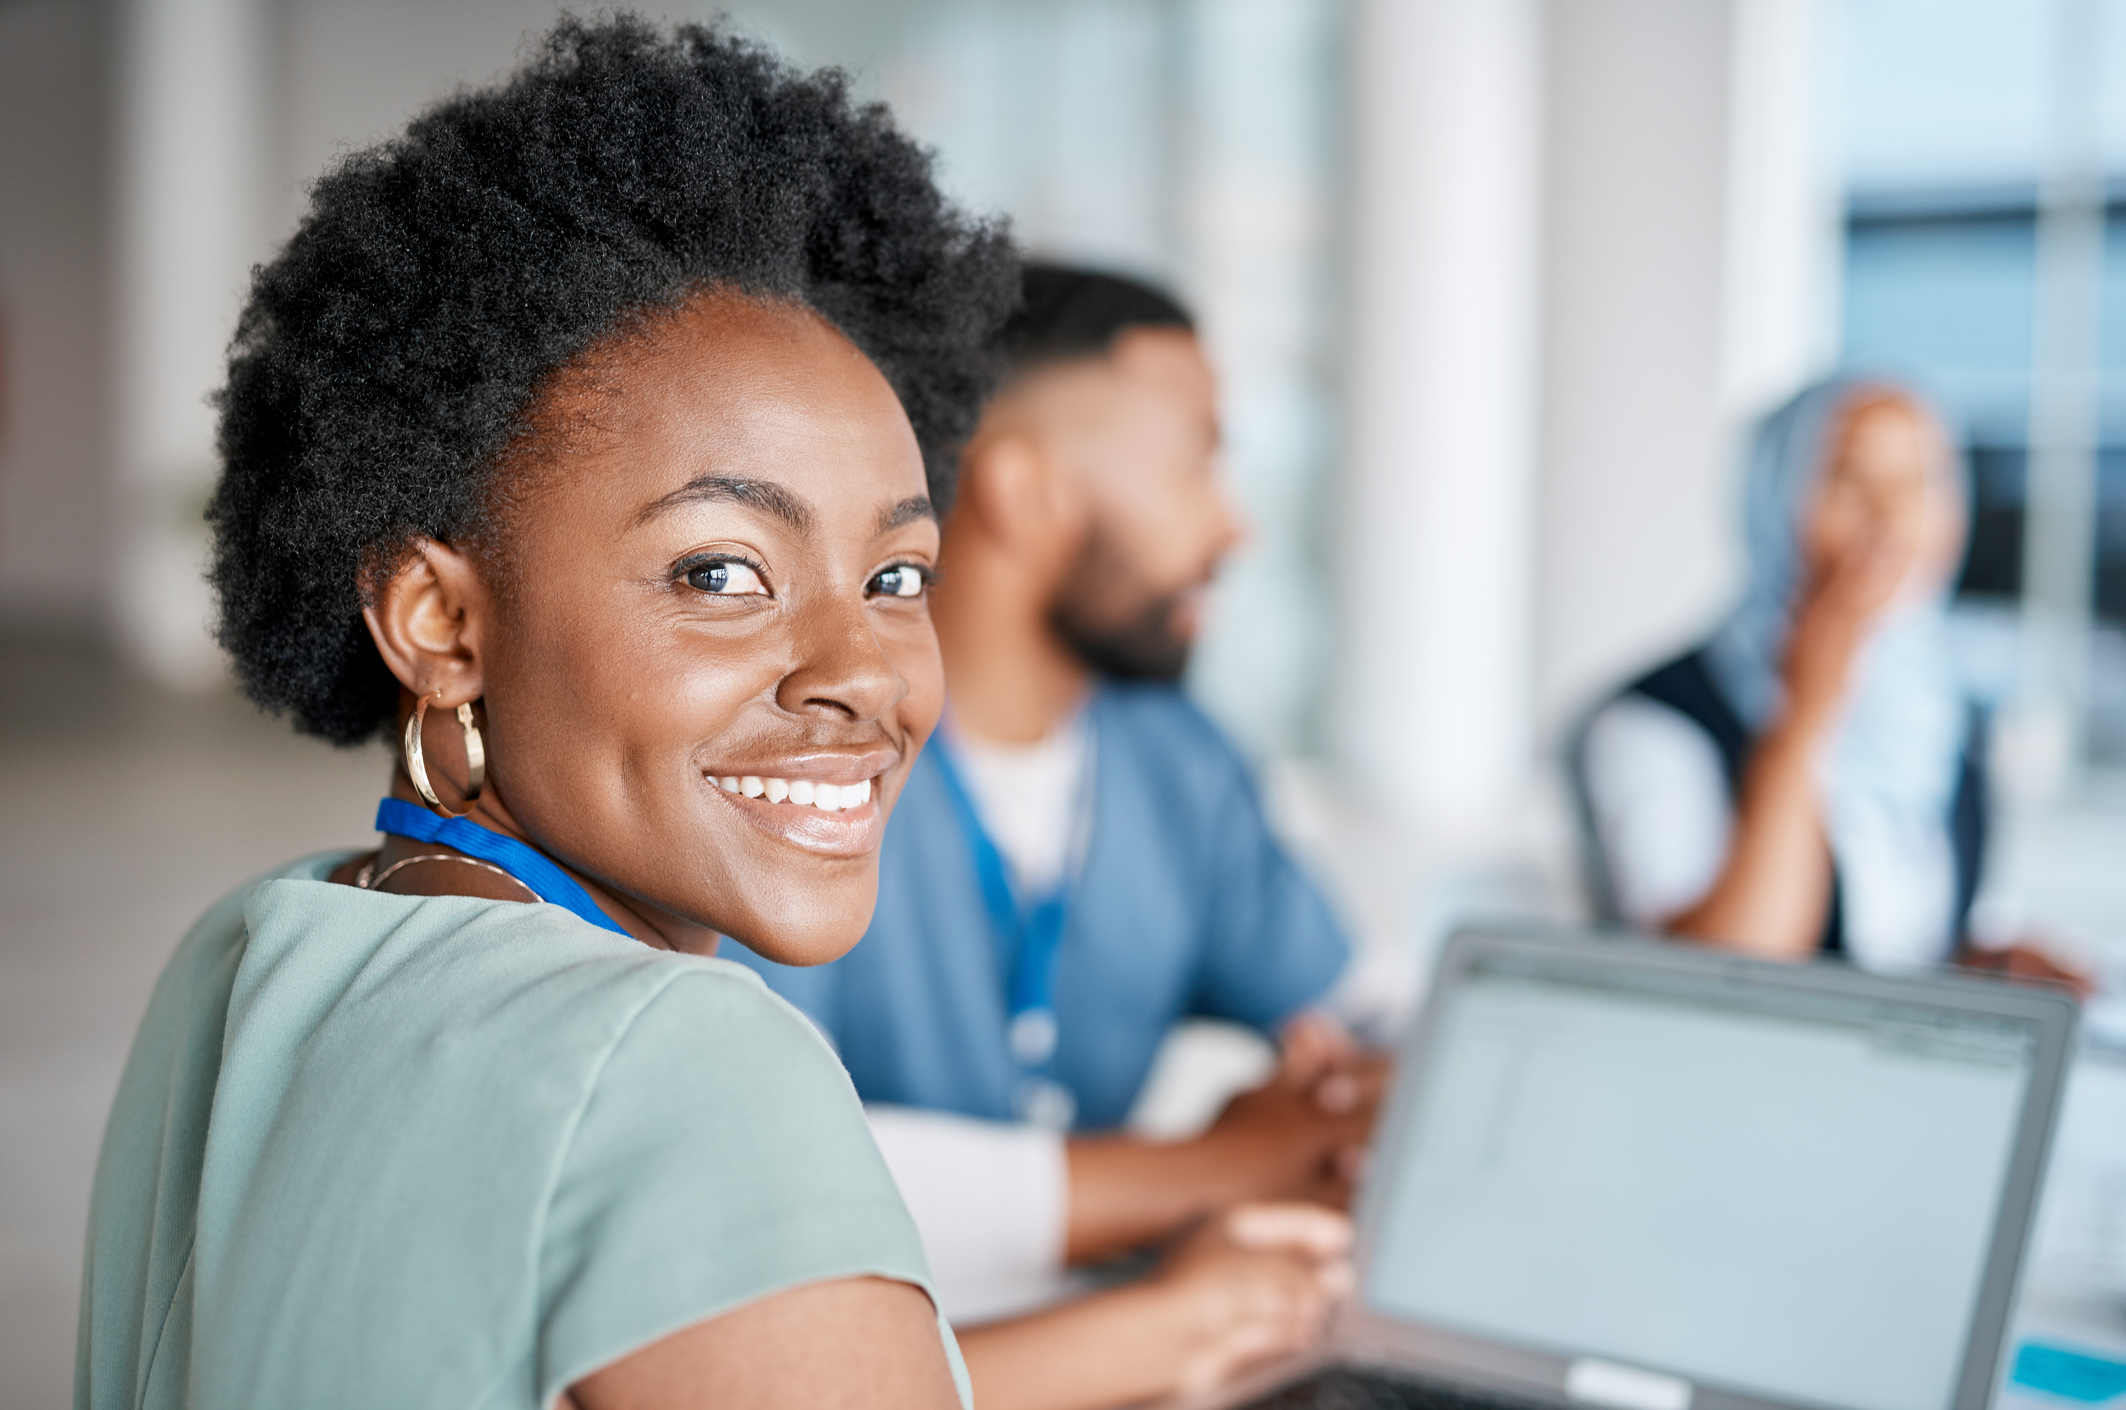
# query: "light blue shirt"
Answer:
x=1185 y=906
x=395 y=1150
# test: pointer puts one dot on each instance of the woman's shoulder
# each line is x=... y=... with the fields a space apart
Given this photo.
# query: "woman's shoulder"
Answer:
x=490 y=1102
x=410 y=972
x=722 y=1125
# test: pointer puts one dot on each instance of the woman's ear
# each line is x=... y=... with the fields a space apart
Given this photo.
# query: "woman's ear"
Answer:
x=427 y=620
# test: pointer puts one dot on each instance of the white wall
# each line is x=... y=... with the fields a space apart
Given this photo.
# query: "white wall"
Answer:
x=1587 y=236
x=1591 y=238
x=56 y=551
x=1433 y=550
x=1691 y=274
x=1634 y=528
x=1631 y=198
x=1785 y=203
x=353 y=71
x=1192 y=141
x=191 y=216
x=1255 y=187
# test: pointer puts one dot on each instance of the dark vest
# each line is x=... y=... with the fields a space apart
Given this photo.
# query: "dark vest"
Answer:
x=1687 y=686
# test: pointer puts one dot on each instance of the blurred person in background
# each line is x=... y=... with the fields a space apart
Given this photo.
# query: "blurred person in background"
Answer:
x=1078 y=862
x=1812 y=779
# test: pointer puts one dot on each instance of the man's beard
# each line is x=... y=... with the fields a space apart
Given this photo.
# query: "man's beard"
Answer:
x=1144 y=646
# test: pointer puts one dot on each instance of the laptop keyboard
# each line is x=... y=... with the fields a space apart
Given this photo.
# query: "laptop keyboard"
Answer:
x=1341 y=1388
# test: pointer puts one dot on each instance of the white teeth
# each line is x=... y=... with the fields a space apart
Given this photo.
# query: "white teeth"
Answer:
x=827 y=797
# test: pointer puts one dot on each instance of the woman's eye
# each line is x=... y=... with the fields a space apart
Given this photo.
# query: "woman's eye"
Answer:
x=901 y=580
x=726 y=578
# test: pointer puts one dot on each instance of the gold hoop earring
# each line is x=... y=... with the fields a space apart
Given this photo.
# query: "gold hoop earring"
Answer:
x=475 y=757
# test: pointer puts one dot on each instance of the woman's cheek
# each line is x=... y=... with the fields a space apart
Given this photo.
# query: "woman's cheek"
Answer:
x=925 y=701
x=912 y=646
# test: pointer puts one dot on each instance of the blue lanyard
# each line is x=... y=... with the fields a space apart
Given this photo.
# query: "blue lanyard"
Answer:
x=1030 y=936
x=528 y=865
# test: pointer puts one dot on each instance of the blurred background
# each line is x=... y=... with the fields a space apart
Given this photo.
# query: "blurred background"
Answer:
x=1493 y=285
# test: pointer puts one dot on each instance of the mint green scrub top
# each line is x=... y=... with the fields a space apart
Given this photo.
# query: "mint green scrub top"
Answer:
x=435 y=1151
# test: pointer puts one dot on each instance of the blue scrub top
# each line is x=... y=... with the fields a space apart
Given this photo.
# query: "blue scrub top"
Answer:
x=1185 y=906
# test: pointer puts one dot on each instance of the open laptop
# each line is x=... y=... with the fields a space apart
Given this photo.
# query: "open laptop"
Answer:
x=1642 y=1176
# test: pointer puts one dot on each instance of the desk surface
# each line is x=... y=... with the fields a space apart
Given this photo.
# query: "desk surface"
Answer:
x=2074 y=1285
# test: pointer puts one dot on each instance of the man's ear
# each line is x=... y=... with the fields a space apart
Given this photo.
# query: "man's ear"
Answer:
x=1022 y=497
x=427 y=619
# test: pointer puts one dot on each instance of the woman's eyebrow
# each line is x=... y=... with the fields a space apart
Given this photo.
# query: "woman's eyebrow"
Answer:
x=906 y=512
x=764 y=495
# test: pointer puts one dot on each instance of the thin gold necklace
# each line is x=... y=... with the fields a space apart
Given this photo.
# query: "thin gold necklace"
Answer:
x=369 y=878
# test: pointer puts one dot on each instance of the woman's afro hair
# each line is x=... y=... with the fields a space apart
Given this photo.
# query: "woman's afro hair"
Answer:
x=390 y=356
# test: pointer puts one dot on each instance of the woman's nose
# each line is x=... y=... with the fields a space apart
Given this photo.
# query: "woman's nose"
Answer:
x=843 y=668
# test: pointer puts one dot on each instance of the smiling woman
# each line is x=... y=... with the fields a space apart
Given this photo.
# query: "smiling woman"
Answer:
x=707 y=580
x=589 y=442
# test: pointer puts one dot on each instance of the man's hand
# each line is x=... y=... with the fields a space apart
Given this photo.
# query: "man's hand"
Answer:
x=1302 y=1134
x=1250 y=1284
x=1299 y=1136
x=1257 y=1282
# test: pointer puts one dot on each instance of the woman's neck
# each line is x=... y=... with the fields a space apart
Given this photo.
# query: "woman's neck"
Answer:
x=657 y=929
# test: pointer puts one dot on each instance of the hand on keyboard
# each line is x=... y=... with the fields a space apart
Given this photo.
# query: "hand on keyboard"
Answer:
x=1256 y=1282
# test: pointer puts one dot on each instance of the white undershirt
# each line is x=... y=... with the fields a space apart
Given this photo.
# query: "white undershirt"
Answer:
x=1662 y=814
x=1028 y=797
x=992 y=1198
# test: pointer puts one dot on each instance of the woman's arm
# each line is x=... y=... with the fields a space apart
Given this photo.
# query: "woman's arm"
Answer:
x=1770 y=896
x=858 y=1343
x=1256 y=1283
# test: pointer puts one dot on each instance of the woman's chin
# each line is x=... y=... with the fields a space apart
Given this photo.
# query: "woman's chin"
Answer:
x=800 y=951
x=803 y=935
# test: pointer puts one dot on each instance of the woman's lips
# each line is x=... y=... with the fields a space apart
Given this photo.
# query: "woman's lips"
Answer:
x=799 y=792
x=827 y=819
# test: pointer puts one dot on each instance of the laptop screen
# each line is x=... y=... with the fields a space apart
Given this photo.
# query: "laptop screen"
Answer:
x=1785 y=1193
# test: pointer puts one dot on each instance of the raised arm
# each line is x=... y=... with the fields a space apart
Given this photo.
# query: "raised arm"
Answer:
x=1772 y=890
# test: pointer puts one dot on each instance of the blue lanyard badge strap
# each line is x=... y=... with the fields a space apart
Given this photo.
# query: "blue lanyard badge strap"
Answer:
x=527 y=864
x=1031 y=937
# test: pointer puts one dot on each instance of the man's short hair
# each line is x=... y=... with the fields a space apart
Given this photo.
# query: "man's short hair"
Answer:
x=1067 y=313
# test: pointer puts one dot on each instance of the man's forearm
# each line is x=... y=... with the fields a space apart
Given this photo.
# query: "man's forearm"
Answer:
x=1126 y=1192
x=1113 y=1348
